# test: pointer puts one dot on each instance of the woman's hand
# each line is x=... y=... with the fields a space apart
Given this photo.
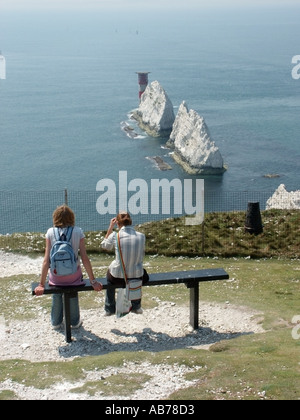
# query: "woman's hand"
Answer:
x=112 y=224
x=39 y=290
x=97 y=286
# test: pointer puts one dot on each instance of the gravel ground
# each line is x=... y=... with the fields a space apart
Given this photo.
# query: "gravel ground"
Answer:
x=163 y=328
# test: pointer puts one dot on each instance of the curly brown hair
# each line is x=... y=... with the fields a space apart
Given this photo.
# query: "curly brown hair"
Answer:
x=63 y=216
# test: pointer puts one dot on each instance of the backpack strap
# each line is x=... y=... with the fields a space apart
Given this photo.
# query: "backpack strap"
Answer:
x=56 y=234
x=69 y=233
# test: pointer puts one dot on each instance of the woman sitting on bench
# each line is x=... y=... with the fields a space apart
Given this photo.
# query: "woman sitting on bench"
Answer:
x=63 y=220
x=133 y=251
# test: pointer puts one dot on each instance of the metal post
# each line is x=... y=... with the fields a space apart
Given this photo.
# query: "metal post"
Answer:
x=67 y=317
x=66 y=196
x=194 y=305
x=203 y=236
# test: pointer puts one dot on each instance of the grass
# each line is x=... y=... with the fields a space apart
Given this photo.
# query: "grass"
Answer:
x=222 y=234
x=264 y=276
x=121 y=384
x=261 y=366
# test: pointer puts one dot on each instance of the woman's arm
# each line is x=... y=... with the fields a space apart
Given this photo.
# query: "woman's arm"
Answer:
x=45 y=267
x=112 y=224
x=108 y=243
x=88 y=266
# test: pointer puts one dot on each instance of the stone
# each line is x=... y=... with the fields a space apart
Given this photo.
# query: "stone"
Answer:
x=160 y=163
x=284 y=200
x=155 y=114
x=193 y=147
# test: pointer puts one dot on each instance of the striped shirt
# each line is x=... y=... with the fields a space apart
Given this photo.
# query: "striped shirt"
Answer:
x=133 y=251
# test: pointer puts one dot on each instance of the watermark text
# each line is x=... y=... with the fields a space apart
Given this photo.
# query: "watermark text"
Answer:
x=296 y=68
x=157 y=197
x=296 y=329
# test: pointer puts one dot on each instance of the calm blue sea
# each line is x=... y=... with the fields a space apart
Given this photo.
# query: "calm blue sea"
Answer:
x=71 y=82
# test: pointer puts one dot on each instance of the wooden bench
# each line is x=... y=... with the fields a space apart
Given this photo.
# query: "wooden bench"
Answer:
x=190 y=278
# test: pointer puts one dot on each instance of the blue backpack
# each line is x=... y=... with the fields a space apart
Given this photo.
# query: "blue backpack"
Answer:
x=63 y=261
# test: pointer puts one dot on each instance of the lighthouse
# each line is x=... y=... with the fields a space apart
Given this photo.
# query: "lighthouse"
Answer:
x=143 y=81
x=2 y=67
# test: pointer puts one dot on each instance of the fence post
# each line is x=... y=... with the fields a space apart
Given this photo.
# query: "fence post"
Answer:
x=203 y=235
x=66 y=196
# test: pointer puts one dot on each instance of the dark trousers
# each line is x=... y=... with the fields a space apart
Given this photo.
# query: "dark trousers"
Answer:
x=114 y=283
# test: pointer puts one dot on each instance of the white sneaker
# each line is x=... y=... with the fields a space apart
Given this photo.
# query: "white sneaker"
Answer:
x=75 y=327
x=58 y=327
x=138 y=311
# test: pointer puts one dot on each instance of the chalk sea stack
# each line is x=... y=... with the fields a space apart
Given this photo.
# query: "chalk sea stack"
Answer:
x=155 y=114
x=193 y=147
x=284 y=200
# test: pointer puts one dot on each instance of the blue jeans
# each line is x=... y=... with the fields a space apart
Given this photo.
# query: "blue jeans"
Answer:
x=57 y=311
x=112 y=284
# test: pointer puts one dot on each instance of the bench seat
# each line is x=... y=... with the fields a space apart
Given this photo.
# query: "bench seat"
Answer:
x=190 y=278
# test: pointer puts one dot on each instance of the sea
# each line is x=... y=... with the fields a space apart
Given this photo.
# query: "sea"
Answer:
x=71 y=85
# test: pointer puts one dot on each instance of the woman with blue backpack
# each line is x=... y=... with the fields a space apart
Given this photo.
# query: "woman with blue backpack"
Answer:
x=64 y=242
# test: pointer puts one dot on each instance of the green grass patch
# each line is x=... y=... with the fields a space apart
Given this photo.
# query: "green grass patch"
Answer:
x=222 y=234
x=121 y=384
x=262 y=366
x=8 y=395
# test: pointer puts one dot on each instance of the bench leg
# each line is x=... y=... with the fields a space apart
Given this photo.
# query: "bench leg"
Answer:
x=67 y=317
x=194 y=306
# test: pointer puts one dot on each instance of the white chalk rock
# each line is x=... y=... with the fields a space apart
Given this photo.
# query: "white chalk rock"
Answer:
x=284 y=200
x=155 y=114
x=194 y=149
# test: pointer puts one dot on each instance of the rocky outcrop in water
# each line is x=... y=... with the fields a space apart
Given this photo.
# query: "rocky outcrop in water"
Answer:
x=193 y=147
x=284 y=200
x=155 y=114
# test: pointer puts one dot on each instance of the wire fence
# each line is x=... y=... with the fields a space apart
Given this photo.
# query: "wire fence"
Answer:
x=31 y=212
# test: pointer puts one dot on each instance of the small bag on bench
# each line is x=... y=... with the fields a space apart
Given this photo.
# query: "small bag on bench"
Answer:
x=133 y=286
x=123 y=305
x=134 y=289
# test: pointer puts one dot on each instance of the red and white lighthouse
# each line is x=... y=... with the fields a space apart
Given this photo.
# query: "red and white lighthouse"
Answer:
x=143 y=81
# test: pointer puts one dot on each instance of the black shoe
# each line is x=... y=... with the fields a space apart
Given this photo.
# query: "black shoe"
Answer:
x=138 y=311
x=106 y=313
